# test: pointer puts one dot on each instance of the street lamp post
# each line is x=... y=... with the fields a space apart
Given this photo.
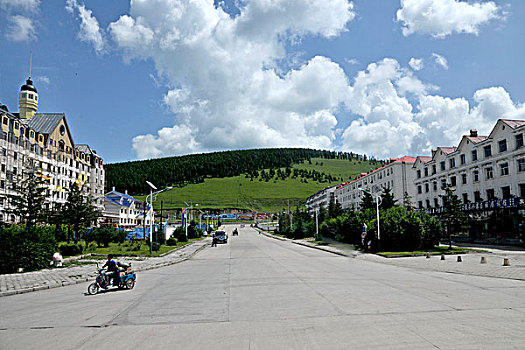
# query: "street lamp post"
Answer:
x=378 y=201
x=317 y=224
x=151 y=194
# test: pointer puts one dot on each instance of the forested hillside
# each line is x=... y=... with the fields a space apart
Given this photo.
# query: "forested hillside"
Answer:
x=262 y=164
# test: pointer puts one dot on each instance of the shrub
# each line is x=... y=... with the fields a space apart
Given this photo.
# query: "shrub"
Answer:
x=28 y=250
x=400 y=229
x=155 y=246
x=134 y=247
x=171 y=242
x=159 y=237
x=70 y=249
x=104 y=235
x=92 y=247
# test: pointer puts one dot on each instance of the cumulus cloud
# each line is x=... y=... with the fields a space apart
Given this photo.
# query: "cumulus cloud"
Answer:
x=440 y=18
x=89 y=28
x=416 y=63
x=415 y=127
x=226 y=86
x=20 y=19
x=20 y=28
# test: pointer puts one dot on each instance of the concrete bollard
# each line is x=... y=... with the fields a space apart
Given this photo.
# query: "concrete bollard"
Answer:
x=483 y=260
x=459 y=258
x=442 y=256
x=428 y=255
x=506 y=262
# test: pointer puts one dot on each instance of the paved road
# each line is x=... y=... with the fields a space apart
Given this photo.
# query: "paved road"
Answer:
x=259 y=293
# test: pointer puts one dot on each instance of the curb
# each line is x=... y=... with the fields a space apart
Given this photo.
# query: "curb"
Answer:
x=87 y=279
x=320 y=248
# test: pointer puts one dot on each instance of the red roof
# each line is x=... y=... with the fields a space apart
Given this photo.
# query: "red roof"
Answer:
x=475 y=139
x=513 y=123
x=447 y=150
x=425 y=159
x=406 y=159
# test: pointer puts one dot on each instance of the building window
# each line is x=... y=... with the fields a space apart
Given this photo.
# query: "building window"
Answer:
x=463 y=179
x=505 y=192
x=490 y=194
x=462 y=159
x=502 y=146
x=487 y=150
x=16 y=126
x=442 y=165
x=477 y=196
x=522 y=190
x=427 y=187
x=452 y=163
x=419 y=174
x=426 y=171
x=436 y=203
x=489 y=173
x=465 y=198
x=15 y=155
x=475 y=175
x=443 y=183
x=521 y=165
x=474 y=155
x=420 y=204
x=3 y=168
x=519 y=140
x=504 y=169
x=433 y=169
x=5 y=121
x=453 y=181
x=32 y=134
x=419 y=189
x=435 y=185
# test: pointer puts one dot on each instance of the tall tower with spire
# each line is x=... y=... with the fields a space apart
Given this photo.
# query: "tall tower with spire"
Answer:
x=28 y=100
x=28 y=97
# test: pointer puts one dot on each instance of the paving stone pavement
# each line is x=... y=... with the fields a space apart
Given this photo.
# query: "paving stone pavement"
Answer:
x=18 y=283
x=470 y=263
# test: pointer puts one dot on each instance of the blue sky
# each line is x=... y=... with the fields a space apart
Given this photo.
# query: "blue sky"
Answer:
x=145 y=79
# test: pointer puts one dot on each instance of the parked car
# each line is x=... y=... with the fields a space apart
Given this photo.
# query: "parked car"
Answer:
x=242 y=225
x=221 y=236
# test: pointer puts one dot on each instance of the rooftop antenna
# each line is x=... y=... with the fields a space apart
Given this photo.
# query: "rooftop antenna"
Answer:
x=30 y=61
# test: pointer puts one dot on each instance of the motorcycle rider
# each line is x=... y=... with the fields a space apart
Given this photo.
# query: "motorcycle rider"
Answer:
x=112 y=272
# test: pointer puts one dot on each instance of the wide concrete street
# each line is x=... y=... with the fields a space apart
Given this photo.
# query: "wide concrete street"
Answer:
x=260 y=293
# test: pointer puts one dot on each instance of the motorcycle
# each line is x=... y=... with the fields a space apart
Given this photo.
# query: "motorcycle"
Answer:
x=127 y=279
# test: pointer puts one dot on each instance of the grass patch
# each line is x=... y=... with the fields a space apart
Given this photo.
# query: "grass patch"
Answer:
x=434 y=251
x=137 y=249
x=260 y=196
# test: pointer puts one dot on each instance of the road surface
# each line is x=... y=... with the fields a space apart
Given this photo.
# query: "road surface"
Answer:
x=256 y=292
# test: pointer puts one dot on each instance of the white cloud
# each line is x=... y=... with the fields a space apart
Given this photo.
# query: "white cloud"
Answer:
x=352 y=60
x=416 y=63
x=390 y=125
x=31 y=6
x=89 y=28
x=20 y=28
x=440 y=18
x=226 y=86
x=440 y=61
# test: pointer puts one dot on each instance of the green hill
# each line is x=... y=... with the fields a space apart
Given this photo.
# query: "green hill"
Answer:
x=259 y=194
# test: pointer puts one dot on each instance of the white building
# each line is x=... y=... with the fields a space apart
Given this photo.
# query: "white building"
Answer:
x=398 y=175
x=486 y=172
x=321 y=198
x=43 y=141
x=124 y=211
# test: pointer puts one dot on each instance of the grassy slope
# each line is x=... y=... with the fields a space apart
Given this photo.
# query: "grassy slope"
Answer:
x=272 y=196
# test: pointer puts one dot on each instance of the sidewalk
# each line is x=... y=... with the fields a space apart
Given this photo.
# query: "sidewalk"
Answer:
x=470 y=264
x=45 y=279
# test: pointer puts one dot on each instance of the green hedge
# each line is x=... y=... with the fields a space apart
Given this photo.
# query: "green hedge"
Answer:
x=28 y=250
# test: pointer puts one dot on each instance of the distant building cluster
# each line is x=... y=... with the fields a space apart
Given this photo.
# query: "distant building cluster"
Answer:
x=43 y=141
x=486 y=172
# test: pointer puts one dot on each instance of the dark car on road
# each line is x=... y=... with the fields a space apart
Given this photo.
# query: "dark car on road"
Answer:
x=221 y=236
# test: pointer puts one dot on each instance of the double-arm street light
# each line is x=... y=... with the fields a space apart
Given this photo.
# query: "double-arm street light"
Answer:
x=378 y=201
x=150 y=196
